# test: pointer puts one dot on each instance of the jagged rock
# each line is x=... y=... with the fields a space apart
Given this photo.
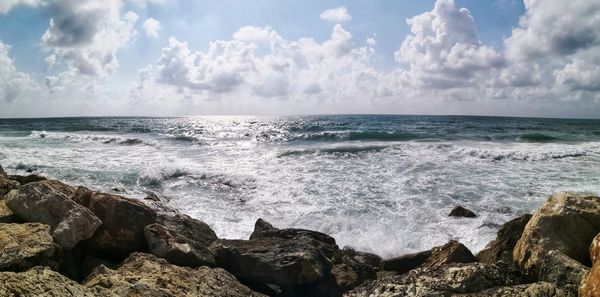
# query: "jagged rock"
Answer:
x=177 y=249
x=2 y=172
x=123 y=222
x=443 y=280
x=147 y=275
x=539 y=289
x=192 y=229
x=451 y=252
x=41 y=281
x=351 y=268
x=26 y=179
x=590 y=286
x=23 y=246
x=562 y=271
x=263 y=229
x=6 y=215
x=88 y=264
x=45 y=202
x=501 y=248
x=7 y=185
x=567 y=222
x=406 y=263
x=461 y=212
x=273 y=260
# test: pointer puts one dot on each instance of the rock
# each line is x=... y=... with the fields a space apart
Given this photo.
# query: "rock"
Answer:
x=351 y=268
x=152 y=197
x=88 y=264
x=147 y=275
x=45 y=203
x=119 y=190
x=273 y=260
x=562 y=271
x=462 y=212
x=192 y=229
x=501 y=248
x=443 y=280
x=539 y=289
x=263 y=229
x=23 y=246
x=406 y=263
x=40 y=281
x=451 y=252
x=2 y=172
x=123 y=222
x=6 y=215
x=177 y=249
x=7 y=185
x=590 y=286
x=567 y=222
x=25 y=179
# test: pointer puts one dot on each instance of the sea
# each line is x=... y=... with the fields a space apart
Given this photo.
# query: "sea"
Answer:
x=377 y=183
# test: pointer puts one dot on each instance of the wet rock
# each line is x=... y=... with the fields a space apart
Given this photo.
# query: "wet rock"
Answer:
x=6 y=215
x=539 y=289
x=192 y=229
x=567 y=222
x=501 y=248
x=45 y=202
x=152 y=197
x=351 y=268
x=406 y=263
x=41 y=281
x=273 y=260
x=590 y=286
x=26 y=179
x=562 y=271
x=461 y=212
x=177 y=249
x=23 y=246
x=2 y=172
x=147 y=275
x=123 y=222
x=7 y=185
x=119 y=190
x=443 y=280
x=451 y=252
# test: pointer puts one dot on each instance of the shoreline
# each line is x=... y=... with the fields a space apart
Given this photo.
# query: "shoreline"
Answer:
x=56 y=237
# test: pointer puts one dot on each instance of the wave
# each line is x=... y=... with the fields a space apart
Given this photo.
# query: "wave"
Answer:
x=358 y=136
x=346 y=150
x=537 y=137
x=524 y=155
x=157 y=180
x=105 y=139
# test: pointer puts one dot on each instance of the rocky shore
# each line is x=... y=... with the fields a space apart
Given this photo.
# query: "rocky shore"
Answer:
x=61 y=240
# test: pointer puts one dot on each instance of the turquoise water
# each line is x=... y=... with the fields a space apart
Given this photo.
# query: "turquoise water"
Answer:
x=378 y=183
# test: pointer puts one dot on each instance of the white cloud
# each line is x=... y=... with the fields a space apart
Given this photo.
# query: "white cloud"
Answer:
x=7 y=5
x=12 y=82
x=152 y=27
x=337 y=15
x=371 y=41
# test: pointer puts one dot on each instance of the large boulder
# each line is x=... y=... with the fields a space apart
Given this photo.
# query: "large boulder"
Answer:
x=562 y=271
x=539 y=289
x=41 y=281
x=406 y=263
x=177 y=249
x=183 y=225
x=273 y=260
x=7 y=185
x=461 y=212
x=351 y=268
x=2 y=172
x=451 y=252
x=567 y=222
x=23 y=246
x=6 y=215
x=26 y=179
x=146 y=275
x=45 y=202
x=501 y=248
x=123 y=222
x=590 y=286
x=445 y=280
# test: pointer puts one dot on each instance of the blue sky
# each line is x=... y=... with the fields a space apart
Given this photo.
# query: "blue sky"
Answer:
x=177 y=57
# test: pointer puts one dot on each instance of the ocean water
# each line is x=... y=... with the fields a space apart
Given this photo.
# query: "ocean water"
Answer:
x=383 y=184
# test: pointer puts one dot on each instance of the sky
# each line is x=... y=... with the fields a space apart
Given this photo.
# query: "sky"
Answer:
x=269 y=57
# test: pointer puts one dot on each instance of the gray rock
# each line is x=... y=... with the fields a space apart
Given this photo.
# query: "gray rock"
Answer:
x=539 y=289
x=25 y=179
x=45 y=202
x=194 y=230
x=177 y=249
x=461 y=212
x=149 y=276
x=351 y=268
x=41 y=281
x=7 y=185
x=501 y=248
x=562 y=271
x=23 y=246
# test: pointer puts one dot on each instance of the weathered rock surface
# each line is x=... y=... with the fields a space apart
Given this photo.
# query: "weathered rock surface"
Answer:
x=45 y=202
x=41 y=281
x=123 y=222
x=25 y=179
x=6 y=185
x=273 y=260
x=590 y=286
x=462 y=212
x=6 y=215
x=192 y=229
x=146 y=275
x=562 y=271
x=567 y=222
x=351 y=268
x=177 y=249
x=501 y=248
x=440 y=281
x=406 y=263
x=2 y=172
x=539 y=289
x=23 y=246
